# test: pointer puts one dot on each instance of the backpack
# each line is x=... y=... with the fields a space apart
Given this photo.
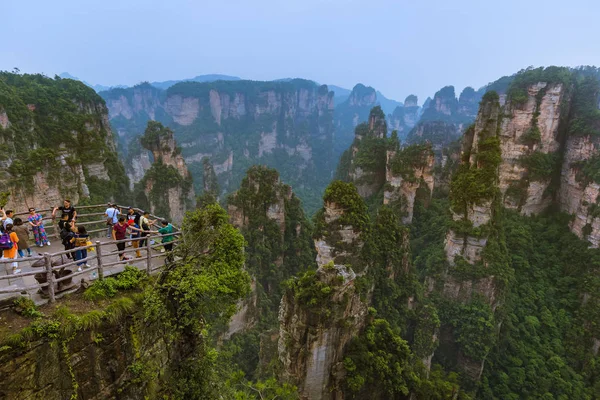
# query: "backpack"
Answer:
x=5 y=242
x=66 y=236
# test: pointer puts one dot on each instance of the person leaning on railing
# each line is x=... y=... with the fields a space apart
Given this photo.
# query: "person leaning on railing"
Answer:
x=66 y=210
x=145 y=223
x=135 y=236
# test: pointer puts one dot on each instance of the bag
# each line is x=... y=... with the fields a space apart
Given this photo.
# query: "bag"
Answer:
x=89 y=243
x=109 y=220
x=66 y=237
x=5 y=242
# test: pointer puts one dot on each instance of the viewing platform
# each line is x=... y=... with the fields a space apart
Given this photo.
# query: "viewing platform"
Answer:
x=49 y=274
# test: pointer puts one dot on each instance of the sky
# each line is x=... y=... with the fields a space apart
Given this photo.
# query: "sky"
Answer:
x=398 y=47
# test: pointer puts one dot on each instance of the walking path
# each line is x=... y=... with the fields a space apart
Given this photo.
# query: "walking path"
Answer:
x=26 y=284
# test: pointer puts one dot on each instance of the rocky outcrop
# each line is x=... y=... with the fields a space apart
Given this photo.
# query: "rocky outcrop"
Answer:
x=407 y=171
x=167 y=185
x=366 y=158
x=530 y=131
x=314 y=331
x=139 y=164
x=349 y=114
x=312 y=339
x=240 y=123
x=269 y=216
x=480 y=158
x=59 y=147
x=100 y=363
x=405 y=117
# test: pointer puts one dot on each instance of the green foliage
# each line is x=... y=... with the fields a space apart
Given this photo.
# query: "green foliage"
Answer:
x=378 y=362
x=26 y=307
x=54 y=119
x=474 y=184
x=588 y=170
x=344 y=196
x=543 y=348
x=207 y=281
x=393 y=275
x=311 y=292
x=473 y=325
x=540 y=166
x=586 y=115
x=274 y=252
x=130 y=278
x=371 y=154
x=517 y=91
x=406 y=160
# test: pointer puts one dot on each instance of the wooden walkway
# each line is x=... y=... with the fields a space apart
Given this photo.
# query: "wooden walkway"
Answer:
x=103 y=262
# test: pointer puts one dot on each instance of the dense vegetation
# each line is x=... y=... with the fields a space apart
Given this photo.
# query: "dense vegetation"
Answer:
x=278 y=246
x=152 y=191
x=57 y=125
x=286 y=125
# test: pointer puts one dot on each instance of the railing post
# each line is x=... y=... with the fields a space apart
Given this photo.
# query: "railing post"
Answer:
x=99 y=259
x=49 y=276
x=148 y=256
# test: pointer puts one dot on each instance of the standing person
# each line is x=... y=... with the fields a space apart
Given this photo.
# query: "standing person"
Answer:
x=6 y=218
x=37 y=226
x=133 y=215
x=79 y=240
x=136 y=231
x=66 y=209
x=112 y=216
x=67 y=232
x=166 y=230
x=120 y=233
x=145 y=223
x=12 y=252
x=23 y=235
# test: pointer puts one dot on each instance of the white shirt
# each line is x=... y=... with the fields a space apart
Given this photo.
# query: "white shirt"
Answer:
x=7 y=221
x=114 y=213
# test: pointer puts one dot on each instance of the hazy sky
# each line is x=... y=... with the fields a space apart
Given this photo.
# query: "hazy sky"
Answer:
x=398 y=47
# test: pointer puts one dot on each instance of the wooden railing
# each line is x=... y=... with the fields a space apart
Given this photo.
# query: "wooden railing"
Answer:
x=82 y=219
x=54 y=274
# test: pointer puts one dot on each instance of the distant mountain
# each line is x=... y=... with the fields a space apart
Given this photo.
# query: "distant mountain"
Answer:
x=200 y=78
x=387 y=105
x=341 y=94
x=97 y=88
x=160 y=85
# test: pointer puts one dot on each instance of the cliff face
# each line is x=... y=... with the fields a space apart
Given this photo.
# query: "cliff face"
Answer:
x=407 y=171
x=312 y=341
x=364 y=162
x=58 y=143
x=475 y=265
x=580 y=182
x=445 y=117
x=322 y=311
x=114 y=359
x=349 y=114
x=167 y=185
x=530 y=135
x=286 y=125
x=405 y=117
x=480 y=158
x=278 y=239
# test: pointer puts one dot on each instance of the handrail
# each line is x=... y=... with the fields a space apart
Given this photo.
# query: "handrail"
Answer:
x=101 y=253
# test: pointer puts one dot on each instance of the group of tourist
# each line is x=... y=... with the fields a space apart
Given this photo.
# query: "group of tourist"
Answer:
x=14 y=233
